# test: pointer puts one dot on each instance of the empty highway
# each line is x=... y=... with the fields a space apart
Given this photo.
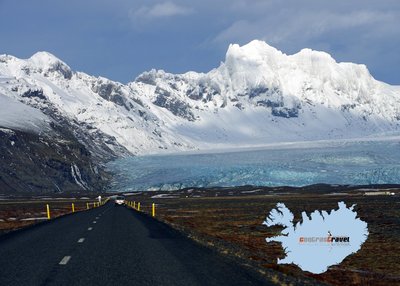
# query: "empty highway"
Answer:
x=112 y=245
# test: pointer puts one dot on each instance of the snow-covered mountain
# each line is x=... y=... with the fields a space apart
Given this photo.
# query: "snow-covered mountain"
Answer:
x=107 y=112
x=258 y=95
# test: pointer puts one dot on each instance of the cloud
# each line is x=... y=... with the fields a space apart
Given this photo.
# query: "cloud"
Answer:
x=304 y=27
x=161 y=10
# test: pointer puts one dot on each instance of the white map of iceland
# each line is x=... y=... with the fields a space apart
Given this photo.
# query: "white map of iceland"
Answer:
x=318 y=241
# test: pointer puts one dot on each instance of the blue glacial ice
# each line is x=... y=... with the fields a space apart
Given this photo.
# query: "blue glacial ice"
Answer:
x=363 y=162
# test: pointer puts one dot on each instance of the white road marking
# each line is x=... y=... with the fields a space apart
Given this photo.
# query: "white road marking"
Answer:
x=94 y=222
x=97 y=217
x=81 y=240
x=65 y=260
x=90 y=228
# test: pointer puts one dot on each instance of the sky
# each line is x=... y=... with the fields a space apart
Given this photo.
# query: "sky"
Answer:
x=119 y=39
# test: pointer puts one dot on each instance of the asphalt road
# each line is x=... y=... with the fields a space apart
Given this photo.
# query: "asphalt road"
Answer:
x=112 y=245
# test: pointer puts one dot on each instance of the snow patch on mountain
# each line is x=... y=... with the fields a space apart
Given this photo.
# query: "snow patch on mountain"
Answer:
x=16 y=115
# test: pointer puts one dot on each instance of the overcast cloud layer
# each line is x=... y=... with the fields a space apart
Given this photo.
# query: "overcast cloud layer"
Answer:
x=121 y=38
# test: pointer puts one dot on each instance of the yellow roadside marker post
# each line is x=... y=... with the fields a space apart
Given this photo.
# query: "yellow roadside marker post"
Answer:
x=48 y=211
x=87 y=206
x=134 y=205
x=138 y=206
x=73 y=207
x=94 y=205
x=153 y=210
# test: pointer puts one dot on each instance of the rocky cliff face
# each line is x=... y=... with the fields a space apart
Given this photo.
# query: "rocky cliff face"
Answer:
x=33 y=163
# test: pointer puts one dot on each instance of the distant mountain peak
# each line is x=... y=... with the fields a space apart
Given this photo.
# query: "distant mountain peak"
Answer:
x=256 y=49
x=44 y=58
x=50 y=63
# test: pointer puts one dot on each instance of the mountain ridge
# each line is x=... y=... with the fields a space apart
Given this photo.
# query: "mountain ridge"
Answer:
x=257 y=96
x=254 y=78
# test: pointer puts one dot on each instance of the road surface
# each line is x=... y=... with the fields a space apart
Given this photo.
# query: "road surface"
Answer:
x=112 y=245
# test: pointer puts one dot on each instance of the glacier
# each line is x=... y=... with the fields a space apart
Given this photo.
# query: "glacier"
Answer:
x=351 y=162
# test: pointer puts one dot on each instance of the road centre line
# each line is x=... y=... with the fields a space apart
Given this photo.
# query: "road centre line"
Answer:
x=81 y=240
x=65 y=260
x=90 y=228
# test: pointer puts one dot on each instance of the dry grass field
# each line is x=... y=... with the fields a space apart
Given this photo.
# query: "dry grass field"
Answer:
x=231 y=222
x=18 y=213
